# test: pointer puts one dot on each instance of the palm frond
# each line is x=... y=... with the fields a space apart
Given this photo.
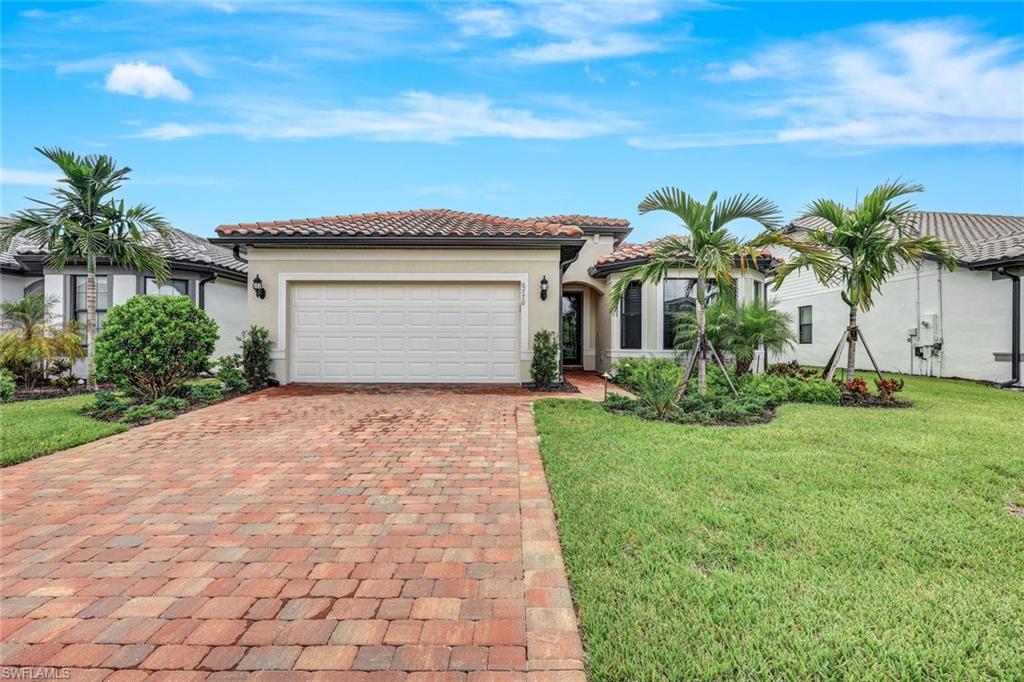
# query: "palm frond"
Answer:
x=828 y=210
x=760 y=209
x=689 y=210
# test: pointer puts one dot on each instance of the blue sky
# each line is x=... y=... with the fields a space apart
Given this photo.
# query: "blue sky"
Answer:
x=233 y=112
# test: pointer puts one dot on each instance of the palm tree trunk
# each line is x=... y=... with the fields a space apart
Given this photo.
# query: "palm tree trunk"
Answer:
x=702 y=362
x=851 y=348
x=90 y=321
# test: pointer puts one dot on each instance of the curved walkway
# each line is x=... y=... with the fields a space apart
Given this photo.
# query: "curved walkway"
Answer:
x=393 y=534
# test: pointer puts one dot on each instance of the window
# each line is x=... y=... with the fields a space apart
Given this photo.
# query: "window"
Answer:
x=804 y=313
x=680 y=297
x=172 y=287
x=758 y=291
x=78 y=287
x=631 y=308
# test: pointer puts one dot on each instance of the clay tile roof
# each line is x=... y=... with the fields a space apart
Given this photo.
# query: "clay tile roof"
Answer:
x=973 y=237
x=629 y=251
x=585 y=220
x=427 y=223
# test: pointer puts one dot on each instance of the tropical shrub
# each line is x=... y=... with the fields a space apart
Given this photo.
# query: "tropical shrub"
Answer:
x=627 y=370
x=31 y=343
x=229 y=370
x=738 y=330
x=544 y=366
x=150 y=343
x=203 y=393
x=142 y=413
x=856 y=389
x=791 y=369
x=108 y=405
x=777 y=389
x=256 y=357
x=658 y=386
x=170 y=403
x=888 y=388
x=6 y=386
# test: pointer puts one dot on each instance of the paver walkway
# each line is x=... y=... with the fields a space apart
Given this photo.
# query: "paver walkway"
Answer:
x=394 y=534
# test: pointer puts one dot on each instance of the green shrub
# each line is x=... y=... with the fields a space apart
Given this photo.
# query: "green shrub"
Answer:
x=777 y=389
x=150 y=343
x=142 y=413
x=6 y=386
x=203 y=393
x=170 y=403
x=658 y=386
x=107 y=405
x=625 y=370
x=229 y=371
x=544 y=366
x=256 y=357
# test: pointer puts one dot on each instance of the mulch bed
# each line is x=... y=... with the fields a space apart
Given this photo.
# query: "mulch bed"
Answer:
x=190 y=408
x=873 y=401
x=46 y=392
x=564 y=387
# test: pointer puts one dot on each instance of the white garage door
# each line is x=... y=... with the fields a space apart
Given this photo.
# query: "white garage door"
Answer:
x=404 y=332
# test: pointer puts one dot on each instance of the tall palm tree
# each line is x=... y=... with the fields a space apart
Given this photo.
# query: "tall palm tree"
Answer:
x=84 y=222
x=708 y=247
x=859 y=249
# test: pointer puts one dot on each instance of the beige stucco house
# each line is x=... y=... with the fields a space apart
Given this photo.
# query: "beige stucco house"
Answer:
x=445 y=296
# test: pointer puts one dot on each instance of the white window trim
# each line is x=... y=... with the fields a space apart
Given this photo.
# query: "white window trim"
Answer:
x=280 y=348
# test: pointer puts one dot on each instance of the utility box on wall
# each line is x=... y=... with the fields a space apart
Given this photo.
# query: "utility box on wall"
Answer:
x=929 y=330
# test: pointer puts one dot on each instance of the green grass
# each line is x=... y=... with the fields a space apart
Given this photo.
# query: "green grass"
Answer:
x=38 y=427
x=832 y=543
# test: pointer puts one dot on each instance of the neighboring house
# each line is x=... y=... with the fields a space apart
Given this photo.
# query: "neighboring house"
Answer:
x=444 y=296
x=965 y=323
x=210 y=275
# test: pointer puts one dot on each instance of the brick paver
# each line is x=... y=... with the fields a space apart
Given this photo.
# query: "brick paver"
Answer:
x=397 y=531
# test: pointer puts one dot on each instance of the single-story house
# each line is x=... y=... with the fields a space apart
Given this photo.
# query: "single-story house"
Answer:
x=927 y=320
x=210 y=275
x=445 y=296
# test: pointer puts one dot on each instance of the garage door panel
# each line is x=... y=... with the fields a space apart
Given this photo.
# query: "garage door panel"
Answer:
x=404 y=332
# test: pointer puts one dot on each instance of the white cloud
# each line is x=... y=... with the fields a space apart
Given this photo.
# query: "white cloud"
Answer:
x=566 y=32
x=412 y=116
x=495 y=22
x=931 y=83
x=22 y=176
x=146 y=80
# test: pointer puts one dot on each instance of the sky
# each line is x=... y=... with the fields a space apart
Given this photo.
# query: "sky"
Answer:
x=240 y=111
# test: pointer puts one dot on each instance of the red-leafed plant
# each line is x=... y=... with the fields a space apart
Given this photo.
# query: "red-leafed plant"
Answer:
x=856 y=389
x=888 y=388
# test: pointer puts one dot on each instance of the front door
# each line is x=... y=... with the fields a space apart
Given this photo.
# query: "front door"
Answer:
x=572 y=328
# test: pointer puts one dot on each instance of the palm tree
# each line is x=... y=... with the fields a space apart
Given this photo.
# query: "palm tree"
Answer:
x=739 y=329
x=85 y=223
x=859 y=249
x=709 y=248
x=30 y=342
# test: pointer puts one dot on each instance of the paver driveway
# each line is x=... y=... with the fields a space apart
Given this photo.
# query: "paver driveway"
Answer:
x=297 y=529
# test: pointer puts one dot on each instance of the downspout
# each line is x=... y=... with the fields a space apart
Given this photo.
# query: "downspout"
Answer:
x=1015 y=331
x=202 y=291
x=942 y=340
x=235 y=251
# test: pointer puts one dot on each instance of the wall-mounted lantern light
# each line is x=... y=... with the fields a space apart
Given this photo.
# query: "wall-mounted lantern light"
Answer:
x=257 y=287
x=544 y=288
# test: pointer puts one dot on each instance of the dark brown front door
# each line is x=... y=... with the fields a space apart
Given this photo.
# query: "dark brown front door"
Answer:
x=572 y=328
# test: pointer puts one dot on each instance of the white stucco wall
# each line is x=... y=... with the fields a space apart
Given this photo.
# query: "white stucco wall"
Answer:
x=12 y=286
x=652 y=317
x=973 y=321
x=225 y=302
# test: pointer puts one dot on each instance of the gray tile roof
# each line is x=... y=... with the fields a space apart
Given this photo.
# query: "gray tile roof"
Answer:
x=181 y=247
x=973 y=237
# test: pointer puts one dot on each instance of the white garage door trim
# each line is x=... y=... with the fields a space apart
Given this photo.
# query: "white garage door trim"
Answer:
x=284 y=278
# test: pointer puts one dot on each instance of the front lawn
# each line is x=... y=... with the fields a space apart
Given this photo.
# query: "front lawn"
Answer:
x=849 y=543
x=37 y=427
